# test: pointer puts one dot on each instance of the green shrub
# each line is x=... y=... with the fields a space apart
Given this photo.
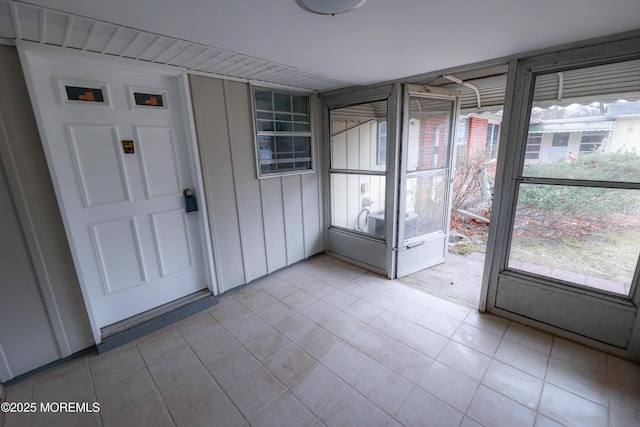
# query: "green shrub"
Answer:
x=592 y=202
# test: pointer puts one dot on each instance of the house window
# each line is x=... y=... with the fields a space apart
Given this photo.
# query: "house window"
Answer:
x=534 y=142
x=283 y=132
x=560 y=139
x=591 y=141
x=493 y=136
x=382 y=142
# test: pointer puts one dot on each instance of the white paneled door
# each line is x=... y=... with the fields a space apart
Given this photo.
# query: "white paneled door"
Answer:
x=116 y=146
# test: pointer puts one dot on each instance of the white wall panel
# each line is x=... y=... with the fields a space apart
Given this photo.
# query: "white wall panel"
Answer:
x=215 y=157
x=246 y=185
x=40 y=288
x=258 y=226
x=273 y=218
x=294 y=228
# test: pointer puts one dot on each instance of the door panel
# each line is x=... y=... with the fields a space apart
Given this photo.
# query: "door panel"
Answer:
x=120 y=169
x=426 y=174
x=98 y=163
x=358 y=176
x=117 y=245
x=159 y=161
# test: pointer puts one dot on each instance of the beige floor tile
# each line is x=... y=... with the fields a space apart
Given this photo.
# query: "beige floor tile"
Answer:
x=422 y=409
x=353 y=410
x=523 y=358
x=320 y=390
x=291 y=365
x=217 y=410
x=440 y=323
x=487 y=322
x=624 y=406
x=363 y=310
x=124 y=393
x=529 y=337
x=514 y=383
x=65 y=419
x=407 y=309
x=579 y=356
x=276 y=287
x=476 y=339
x=584 y=383
x=542 y=421
x=175 y=366
x=451 y=309
x=347 y=362
x=384 y=387
x=464 y=360
x=318 y=342
x=299 y=300
x=150 y=411
x=491 y=408
x=623 y=374
x=421 y=298
x=320 y=312
x=424 y=340
x=266 y=344
x=160 y=345
x=571 y=410
x=116 y=363
x=197 y=330
x=380 y=298
x=188 y=391
x=391 y=324
x=404 y=360
x=468 y=422
x=295 y=326
x=343 y=326
x=232 y=362
x=254 y=390
x=285 y=411
x=372 y=342
x=449 y=385
x=67 y=382
x=228 y=311
x=340 y=299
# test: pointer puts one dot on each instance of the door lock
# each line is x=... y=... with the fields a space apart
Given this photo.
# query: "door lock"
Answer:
x=190 y=203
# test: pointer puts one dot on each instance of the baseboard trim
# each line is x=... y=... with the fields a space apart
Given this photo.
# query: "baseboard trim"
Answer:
x=150 y=321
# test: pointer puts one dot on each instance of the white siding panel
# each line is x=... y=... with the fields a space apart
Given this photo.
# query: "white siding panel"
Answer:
x=311 y=214
x=215 y=156
x=294 y=229
x=258 y=226
x=246 y=184
x=273 y=217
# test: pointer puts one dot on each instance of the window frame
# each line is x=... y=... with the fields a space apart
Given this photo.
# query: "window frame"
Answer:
x=279 y=133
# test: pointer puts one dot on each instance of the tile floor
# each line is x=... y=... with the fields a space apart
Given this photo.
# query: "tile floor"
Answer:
x=325 y=343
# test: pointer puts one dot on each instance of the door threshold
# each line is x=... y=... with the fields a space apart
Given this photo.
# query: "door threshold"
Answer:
x=142 y=324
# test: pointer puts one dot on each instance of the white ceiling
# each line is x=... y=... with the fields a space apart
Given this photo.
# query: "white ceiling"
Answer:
x=383 y=40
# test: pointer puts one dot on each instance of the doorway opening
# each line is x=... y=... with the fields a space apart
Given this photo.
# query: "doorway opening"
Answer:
x=477 y=138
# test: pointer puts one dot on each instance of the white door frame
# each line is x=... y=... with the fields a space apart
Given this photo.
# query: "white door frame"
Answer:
x=28 y=48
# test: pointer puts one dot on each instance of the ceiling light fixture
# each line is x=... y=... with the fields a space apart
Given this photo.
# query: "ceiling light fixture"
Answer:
x=330 y=7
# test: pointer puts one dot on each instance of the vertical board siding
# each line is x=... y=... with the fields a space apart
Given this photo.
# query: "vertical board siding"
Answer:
x=311 y=206
x=294 y=229
x=40 y=287
x=246 y=185
x=355 y=147
x=273 y=216
x=258 y=226
x=215 y=157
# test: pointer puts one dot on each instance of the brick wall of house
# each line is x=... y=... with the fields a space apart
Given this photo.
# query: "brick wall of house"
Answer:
x=477 y=136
